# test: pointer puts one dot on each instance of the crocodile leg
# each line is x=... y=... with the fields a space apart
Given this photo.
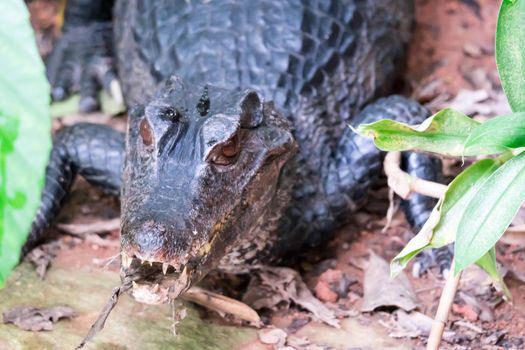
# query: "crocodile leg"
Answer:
x=358 y=165
x=82 y=59
x=94 y=151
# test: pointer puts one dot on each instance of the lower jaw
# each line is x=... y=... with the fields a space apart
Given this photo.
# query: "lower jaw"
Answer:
x=168 y=288
x=148 y=294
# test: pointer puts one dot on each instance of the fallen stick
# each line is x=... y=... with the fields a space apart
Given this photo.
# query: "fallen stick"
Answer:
x=104 y=314
x=445 y=304
x=222 y=304
x=405 y=184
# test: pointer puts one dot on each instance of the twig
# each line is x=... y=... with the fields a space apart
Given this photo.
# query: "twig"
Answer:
x=103 y=316
x=445 y=303
x=222 y=304
x=392 y=209
x=96 y=227
x=469 y=326
x=405 y=184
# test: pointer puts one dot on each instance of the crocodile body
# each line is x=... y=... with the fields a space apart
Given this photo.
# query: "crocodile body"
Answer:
x=313 y=67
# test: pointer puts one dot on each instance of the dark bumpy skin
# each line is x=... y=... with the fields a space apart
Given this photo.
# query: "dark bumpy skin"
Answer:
x=215 y=177
x=83 y=59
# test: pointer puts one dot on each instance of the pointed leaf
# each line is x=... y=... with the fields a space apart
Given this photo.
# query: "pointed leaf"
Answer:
x=490 y=212
x=444 y=133
x=510 y=52
x=497 y=135
x=441 y=227
x=488 y=263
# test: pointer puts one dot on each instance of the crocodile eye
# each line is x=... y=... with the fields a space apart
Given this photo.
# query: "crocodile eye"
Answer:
x=145 y=132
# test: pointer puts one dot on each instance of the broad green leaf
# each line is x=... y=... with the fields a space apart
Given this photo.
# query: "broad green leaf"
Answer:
x=510 y=52
x=444 y=133
x=497 y=135
x=490 y=212
x=441 y=227
x=488 y=263
x=24 y=131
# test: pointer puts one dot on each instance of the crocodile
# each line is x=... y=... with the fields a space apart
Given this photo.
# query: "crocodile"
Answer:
x=237 y=151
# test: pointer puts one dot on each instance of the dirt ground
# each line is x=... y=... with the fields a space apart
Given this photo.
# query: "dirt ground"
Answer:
x=450 y=60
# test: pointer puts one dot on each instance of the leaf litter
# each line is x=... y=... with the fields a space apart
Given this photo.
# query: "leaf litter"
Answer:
x=37 y=319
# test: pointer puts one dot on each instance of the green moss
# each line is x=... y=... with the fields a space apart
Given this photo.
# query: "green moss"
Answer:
x=130 y=326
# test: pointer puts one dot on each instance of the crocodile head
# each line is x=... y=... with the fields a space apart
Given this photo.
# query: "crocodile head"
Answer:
x=202 y=166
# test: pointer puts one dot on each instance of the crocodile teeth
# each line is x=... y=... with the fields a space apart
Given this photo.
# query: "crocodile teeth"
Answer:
x=165 y=268
x=150 y=263
x=156 y=288
x=134 y=284
x=126 y=260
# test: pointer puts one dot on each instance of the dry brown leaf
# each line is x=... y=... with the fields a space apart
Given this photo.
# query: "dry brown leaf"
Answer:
x=37 y=319
x=42 y=256
x=382 y=291
x=409 y=325
x=273 y=286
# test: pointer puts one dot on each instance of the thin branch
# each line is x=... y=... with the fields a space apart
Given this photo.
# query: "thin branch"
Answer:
x=222 y=304
x=445 y=303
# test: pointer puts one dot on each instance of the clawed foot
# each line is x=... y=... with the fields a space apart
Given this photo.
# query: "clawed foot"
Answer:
x=82 y=61
x=440 y=257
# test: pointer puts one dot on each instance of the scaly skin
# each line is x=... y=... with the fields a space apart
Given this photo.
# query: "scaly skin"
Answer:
x=211 y=175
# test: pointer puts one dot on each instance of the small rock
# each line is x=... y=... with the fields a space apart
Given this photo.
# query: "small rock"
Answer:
x=324 y=293
x=472 y=50
x=272 y=336
x=488 y=48
x=331 y=276
x=337 y=283
x=469 y=312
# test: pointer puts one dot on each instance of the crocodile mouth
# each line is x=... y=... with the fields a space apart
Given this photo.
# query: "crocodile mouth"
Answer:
x=154 y=282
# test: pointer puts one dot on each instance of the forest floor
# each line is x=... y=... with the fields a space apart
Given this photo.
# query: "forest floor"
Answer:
x=450 y=63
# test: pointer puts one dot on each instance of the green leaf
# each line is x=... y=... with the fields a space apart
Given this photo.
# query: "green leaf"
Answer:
x=441 y=227
x=444 y=133
x=497 y=135
x=490 y=212
x=25 y=126
x=488 y=263
x=510 y=52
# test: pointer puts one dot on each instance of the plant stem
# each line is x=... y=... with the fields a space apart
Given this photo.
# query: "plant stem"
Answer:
x=445 y=303
x=405 y=184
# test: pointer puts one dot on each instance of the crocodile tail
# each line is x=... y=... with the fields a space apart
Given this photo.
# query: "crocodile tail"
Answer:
x=358 y=165
x=94 y=151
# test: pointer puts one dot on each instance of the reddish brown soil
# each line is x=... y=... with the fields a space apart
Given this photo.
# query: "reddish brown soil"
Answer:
x=445 y=31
